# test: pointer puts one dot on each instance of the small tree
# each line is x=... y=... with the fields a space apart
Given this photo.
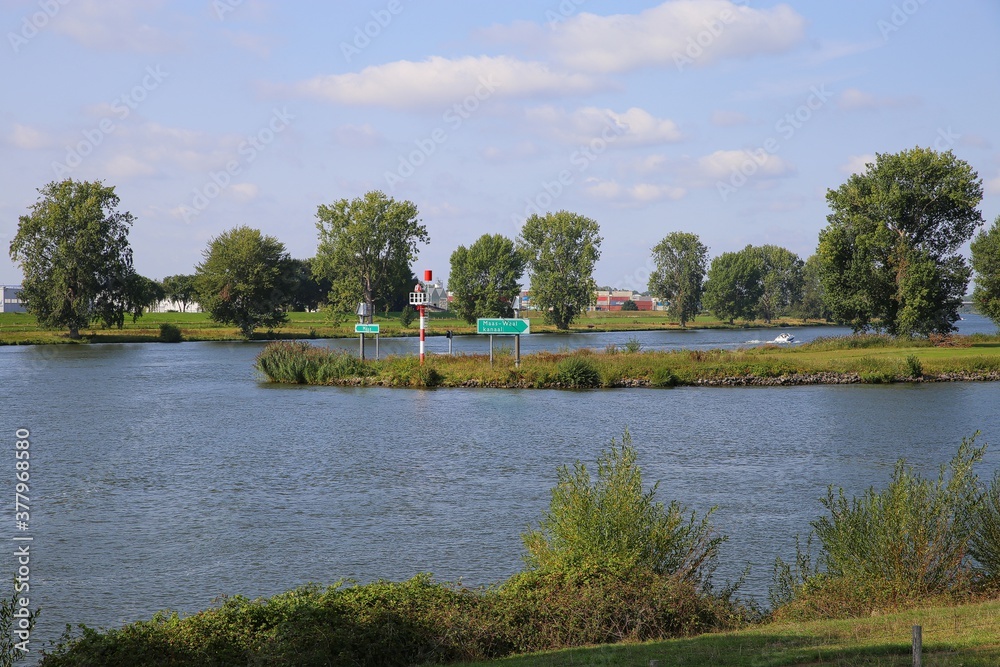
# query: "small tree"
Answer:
x=681 y=259
x=734 y=285
x=240 y=282
x=74 y=252
x=485 y=277
x=181 y=289
x=630 y=305
x=986 y=264
x=561 y=249
x=781 y=281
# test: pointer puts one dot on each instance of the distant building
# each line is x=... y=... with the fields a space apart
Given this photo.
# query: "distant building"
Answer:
x=11 y=301
x=614 y=300
x=170 y=306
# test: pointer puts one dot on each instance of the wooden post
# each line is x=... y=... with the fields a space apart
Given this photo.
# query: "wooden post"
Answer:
x=918 y=645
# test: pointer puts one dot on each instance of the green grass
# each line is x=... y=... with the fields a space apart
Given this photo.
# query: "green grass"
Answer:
x=967 y=635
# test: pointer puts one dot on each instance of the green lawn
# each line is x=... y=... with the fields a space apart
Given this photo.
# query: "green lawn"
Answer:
x=967 y=635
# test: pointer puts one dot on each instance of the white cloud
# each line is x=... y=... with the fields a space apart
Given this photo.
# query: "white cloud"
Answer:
x=28 y=138
x=634 y=127
x=243 y=191
x=857 y=164
x=854 y=99
x=729 y=118
x=721 y=165
x=638 y=193
x=357 y=136
x=443 y=82
x=115 y=26
x=127 y=167
x=701 y=31
x=993 y=186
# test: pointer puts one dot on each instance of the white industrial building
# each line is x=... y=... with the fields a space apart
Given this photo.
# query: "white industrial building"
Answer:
x=11 y=301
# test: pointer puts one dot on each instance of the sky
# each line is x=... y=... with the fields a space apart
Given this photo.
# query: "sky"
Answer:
x=729 y=119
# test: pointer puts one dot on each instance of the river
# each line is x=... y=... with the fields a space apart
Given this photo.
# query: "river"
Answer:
x=163 y=476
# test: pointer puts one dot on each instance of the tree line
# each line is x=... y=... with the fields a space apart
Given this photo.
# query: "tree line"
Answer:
x=888 y=260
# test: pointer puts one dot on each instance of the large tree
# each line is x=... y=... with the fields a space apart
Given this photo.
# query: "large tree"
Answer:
x=366 y=247
x=304 y=291
x=986 y=264
x=77 y=262
x=781 y=281
x=812 y=302
x=242 y=282
x=734 y=285
x=681 y=261
x=485 y=277
x=889 y=256
x=561 y=249
x=180 y=289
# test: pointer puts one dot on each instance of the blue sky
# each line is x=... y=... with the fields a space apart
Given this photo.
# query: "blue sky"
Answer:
x=727 y=119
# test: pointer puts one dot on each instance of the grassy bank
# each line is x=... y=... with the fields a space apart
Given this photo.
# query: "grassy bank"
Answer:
x=861 y=359
x=967 y=635
x=22 y=328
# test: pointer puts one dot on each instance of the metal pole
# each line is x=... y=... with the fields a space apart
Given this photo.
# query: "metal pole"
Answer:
x=423 y=329
x=517 y=351
x=449 y=345
x=376 y=347
x=491 y=349
x=362 y=338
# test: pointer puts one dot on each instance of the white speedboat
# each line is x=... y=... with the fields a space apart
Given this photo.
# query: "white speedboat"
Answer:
x=784 y=338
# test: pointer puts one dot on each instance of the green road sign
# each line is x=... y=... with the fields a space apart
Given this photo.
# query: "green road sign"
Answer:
x=366 y=328
x=502 y=326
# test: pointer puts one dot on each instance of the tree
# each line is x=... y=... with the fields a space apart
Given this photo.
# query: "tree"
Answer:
x=366 y=247
x=889 y=256
x=485 y=277
x=561 y=250
x=681 y=259
x=811 y=304
x=146 y=292
x=241 y=281
x=77 y=262
x=630 y=305
x=180 y=289
x=986 y=264
x=781 y=281
x=304 y=291
x=734 y=285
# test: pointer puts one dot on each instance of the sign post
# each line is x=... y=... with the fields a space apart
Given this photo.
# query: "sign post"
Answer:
x=504 y=326
x=363 y=329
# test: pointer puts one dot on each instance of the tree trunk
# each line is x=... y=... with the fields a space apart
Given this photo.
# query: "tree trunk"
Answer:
x=74 y=333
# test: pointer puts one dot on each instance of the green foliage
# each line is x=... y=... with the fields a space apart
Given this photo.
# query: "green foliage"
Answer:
x=613 y=522
x=366 y=247
x=407 y=315
x=632 y=345
x=630 y=306
x=985 y=544
x=812 y=302
x=303 y=291
x=74 y=253
x=485 y=277
x=734 y=285
x=577 y=373
x=681 y=260
x=986 y=264
x=561 y=250
x=890 y=256
x=664 y=377
x=300 y=363
x=170 y=333
x=893 y=547
x=781 y=281
x=241 y=282
x=914 y=368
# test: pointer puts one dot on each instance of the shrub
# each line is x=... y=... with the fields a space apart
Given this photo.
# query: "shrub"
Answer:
x=632 y=345
x=612 y=522
x=576 y=372
x=985 y=546
x=664 y=377
x=406 y=316
x=913 y=366
x=891 y=548
x=170 y=333
x=630 y=305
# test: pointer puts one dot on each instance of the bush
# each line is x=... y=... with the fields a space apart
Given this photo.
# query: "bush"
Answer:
x=406 y=316
x=913 y=366
x=300 y=363
x=576 y=373
x=891 y=548
x=664 y=377
x=632 y=345
x=612 y=522
x=985 y=546
x=170 y=333
x=630 y=305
